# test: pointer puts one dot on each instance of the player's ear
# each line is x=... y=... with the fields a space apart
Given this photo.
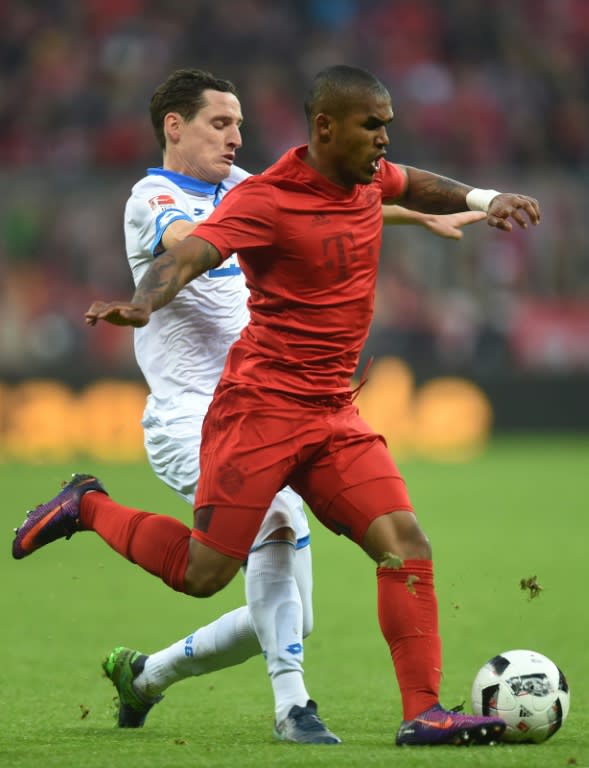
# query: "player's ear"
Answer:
x=323 y=126
x=172 y=126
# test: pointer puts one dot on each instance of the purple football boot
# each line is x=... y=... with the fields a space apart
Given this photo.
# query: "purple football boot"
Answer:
x=440 y=726
x=57 y=519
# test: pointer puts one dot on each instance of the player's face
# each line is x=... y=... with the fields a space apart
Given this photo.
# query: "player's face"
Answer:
x=206 y=145
x=359 y=139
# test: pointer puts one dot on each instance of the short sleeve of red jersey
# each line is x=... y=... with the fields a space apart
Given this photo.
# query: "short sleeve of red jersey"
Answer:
x=393 y=180
x=244 y=219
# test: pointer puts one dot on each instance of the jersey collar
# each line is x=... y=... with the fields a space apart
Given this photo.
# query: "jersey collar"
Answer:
x=316 y=179
x=187 y=183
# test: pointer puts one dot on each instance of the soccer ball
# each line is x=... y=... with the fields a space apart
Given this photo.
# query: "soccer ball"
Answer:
x=527 y=690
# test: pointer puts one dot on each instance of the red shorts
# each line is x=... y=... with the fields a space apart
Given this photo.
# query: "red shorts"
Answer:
x=255 y=442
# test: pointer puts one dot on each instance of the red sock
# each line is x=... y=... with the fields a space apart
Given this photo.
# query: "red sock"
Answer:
x=157 y=543
x=408 y=617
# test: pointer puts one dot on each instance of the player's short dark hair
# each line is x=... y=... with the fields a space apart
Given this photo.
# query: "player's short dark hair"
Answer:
x=334 y=88
x=182 y=92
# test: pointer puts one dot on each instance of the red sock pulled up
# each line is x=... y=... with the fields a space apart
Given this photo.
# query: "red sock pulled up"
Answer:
x=408 y=617
x=157 y=543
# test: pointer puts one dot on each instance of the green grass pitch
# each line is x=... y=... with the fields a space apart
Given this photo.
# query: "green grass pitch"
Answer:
x=519 y=510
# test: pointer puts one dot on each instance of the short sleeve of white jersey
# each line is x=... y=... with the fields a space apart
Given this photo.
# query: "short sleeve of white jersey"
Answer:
x=155 y=202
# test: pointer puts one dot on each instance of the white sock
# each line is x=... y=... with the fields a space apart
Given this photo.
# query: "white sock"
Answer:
x=227 y=641
x=304 y=578
x=276 y=609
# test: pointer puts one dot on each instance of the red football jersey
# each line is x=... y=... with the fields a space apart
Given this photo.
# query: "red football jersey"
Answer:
x=309 y=250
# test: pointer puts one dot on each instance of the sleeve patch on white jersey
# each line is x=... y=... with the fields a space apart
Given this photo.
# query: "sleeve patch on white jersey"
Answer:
x=161 y=202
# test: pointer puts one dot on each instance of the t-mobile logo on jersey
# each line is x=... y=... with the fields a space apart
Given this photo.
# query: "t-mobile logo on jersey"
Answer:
x=340 y=254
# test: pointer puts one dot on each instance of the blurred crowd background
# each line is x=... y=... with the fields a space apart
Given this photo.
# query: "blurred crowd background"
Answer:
x=494 y=94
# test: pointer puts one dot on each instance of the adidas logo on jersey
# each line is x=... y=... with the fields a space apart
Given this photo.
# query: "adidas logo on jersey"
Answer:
x=318 y=219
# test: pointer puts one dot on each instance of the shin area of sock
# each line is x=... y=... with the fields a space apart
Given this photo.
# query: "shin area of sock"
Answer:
x=157 y=543
x=408 y=617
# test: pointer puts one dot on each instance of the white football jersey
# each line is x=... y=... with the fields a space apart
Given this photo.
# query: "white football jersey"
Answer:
x=182 y=350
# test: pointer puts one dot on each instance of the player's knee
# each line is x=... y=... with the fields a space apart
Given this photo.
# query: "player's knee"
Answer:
x=285 y=533
x=415 y=544
x=208 y=571
x=414 y=541
x=397 y=533
x=421 y=546
x=203 y=584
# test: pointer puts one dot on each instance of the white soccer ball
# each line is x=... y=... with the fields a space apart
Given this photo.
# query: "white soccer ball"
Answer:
x=527 y=690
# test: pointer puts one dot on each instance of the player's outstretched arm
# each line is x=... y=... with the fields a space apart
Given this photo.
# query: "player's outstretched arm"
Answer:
x=165 y=277
x=431 y=193
x=447 y=225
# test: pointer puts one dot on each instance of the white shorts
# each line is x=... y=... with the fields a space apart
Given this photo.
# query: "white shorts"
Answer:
x=172 y=442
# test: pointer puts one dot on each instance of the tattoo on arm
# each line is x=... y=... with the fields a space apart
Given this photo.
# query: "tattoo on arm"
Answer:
x=174 y=269
x=160 y=283
x=431 y=193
